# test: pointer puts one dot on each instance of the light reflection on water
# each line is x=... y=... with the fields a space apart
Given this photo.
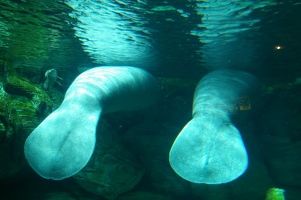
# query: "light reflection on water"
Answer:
x=38 y=34
x=176 y=38
x=112 y=34
x=116 y=33
x=224 y=27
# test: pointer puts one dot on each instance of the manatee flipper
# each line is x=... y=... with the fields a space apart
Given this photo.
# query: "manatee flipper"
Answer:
x=204 y=152
x=60 y=146
x=64 y=142
x=209 y=149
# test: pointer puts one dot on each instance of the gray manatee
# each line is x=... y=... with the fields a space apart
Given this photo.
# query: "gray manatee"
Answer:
x=64 y=142
x=209 y=149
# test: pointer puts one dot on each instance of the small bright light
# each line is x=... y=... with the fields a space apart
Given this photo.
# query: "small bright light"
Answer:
x=278 y=47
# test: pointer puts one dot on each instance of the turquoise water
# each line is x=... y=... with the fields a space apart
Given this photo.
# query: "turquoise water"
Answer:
x=178 y=38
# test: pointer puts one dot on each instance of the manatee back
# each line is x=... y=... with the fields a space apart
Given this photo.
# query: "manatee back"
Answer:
x=116 y=88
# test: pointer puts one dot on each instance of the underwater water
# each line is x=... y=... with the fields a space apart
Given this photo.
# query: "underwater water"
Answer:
x=233 y=135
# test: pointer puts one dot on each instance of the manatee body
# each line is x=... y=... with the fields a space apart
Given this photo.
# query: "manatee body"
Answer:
x=64 y=142
x=209 y=149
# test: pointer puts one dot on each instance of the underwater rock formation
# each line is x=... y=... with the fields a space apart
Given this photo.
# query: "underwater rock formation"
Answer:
x=144 y=196
x=281 y=135
x=151 y=143
x=112 y=169
x=22 y=106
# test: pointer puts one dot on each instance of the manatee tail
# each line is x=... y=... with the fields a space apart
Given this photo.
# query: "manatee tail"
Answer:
x=209 y=150
x=60 y=147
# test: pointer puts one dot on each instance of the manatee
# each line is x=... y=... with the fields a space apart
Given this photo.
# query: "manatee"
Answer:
x=64 y=142
x=210 y=149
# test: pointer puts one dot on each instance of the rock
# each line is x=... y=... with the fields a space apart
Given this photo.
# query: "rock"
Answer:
x=112 y=170
x=281 y=135
x=144 y=196
x=29 y=101
x=280 y=115
x=210 y=192
x=164 y=180
x=151 y=144
x=283 y=155
x=20 y=104
x=2 y=132
x=176 y=106
x=256 y=180
x=58 y=196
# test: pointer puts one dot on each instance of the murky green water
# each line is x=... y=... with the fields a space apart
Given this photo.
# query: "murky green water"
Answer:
x=178 y=41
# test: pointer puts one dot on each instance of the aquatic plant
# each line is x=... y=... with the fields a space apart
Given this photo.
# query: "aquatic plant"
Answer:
x=275 y=194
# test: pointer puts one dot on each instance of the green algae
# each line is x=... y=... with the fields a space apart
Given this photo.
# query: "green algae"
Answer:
x=30 y=103
x=23 y=105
